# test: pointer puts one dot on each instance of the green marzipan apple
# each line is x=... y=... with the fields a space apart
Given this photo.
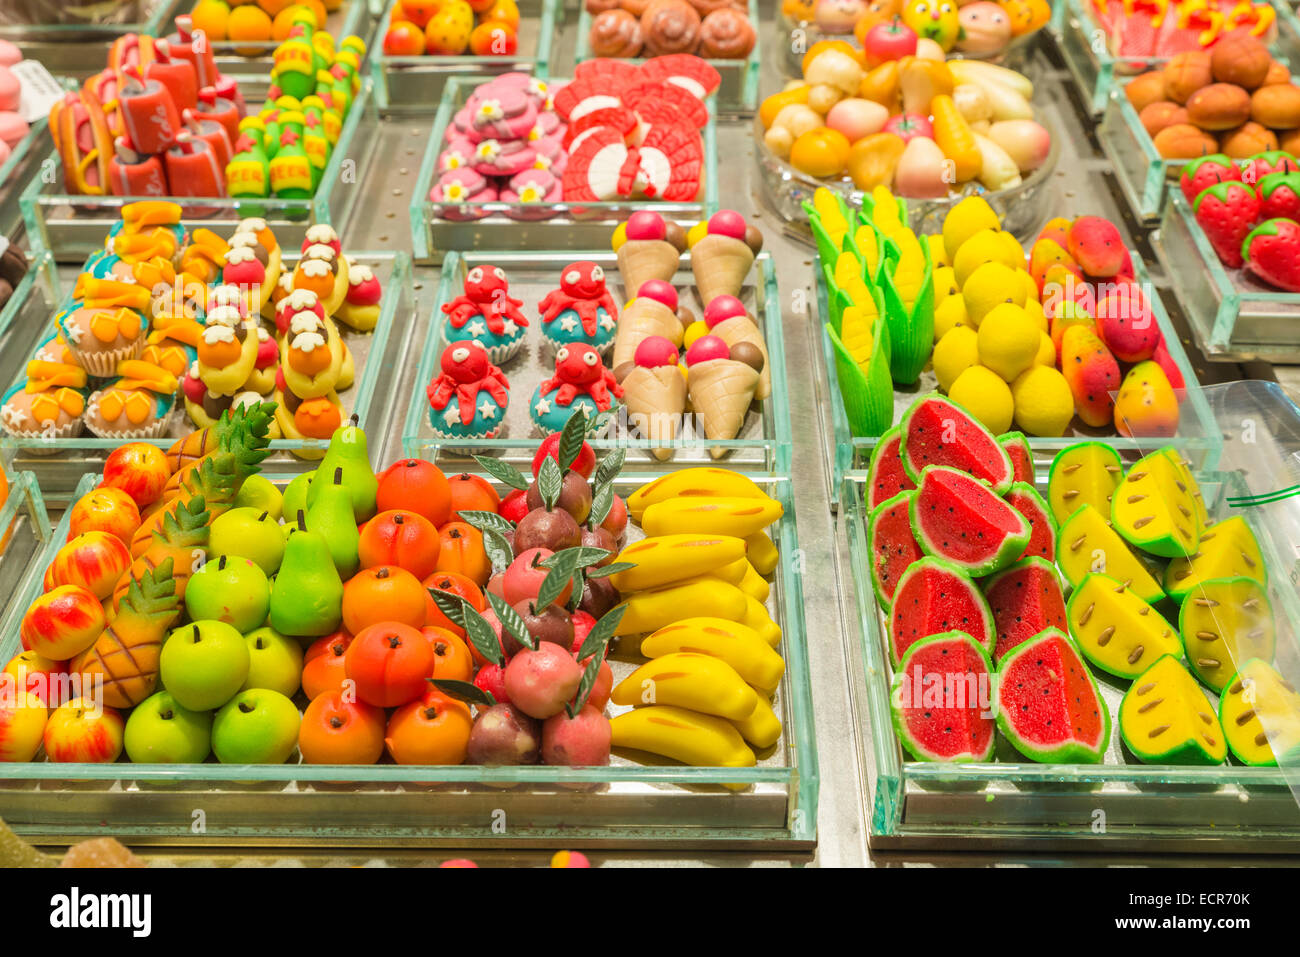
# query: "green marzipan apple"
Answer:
x=230 y=589
x=203 y=664
x=257 y=726
x=160 y=731
x=259 y=494
x=249 y=533
x=275 y=662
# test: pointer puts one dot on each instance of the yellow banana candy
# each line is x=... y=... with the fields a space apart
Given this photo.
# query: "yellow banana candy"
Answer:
x=708 y=596
x=700 y=740
x=762 y=554
x=697 y=482
x=664 y=559
x=753 y=584
x=738 y=645
x=740 y=517
x=762 y=728
x=733 y=572
x=685 y=679
x=755 y=616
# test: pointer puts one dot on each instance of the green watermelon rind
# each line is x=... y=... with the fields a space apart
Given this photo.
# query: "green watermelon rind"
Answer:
x=905 y=423
x=1069 y=618
x=900 y=728
x=1072 y=752
x=1008 y=439
x=877 y=456
x=1162 y=546
x=1012 y=547
x=1027 y=490
x=930 y=562
x=1062 y=541
x=991 y=582
x=882 y=599
x=1182 y=628
x=1052 y=471
x=1186 y=753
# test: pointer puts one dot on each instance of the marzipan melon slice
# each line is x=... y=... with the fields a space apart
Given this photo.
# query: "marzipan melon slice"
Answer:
x=1024 y=498
x=1227 y=549
x=1155 y=509
x=934 y=597
x=1116 y=630
x=959 y=518
x=886 y=476
x=1021 y=455
x=1025 y=599
x=1048 y=704
x=1083 y=474
x=937 y=431
x=1184 y=469
x=1260 y=714
x=1165 y=718
x=941 y=700
x=1086 y=544
x=891 y=545
x=1225 y=622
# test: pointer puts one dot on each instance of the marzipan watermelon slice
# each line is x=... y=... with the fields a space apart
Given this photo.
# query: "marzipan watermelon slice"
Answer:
x=942 y=700
x=886 y=476
x=934 y=597
x=937 y=431
x=1022 y=457
x=891 y=545
x=1048 y=704
x=1083 y=474
x=1165 y=718
x=1259 y=711
x=1042 y=536
x=1025 y=599
x=958 y=518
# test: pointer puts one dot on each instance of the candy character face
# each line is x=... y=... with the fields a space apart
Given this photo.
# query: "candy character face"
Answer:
x=465 y=361
x=986 y=27
x=583 y=280
x=839 y=16
x=486 y=283
x=578 y=363
x=936 y=20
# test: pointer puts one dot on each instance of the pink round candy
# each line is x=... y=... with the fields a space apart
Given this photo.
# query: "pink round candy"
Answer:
x=721 y=308
x=705 y=348
x=727 y=222
x=655 y=351
x=646 y=224
x=9 y=53
x=659 y=291
x=10 y=89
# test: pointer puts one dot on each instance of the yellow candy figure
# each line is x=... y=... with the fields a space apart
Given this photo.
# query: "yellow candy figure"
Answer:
x=935 y=20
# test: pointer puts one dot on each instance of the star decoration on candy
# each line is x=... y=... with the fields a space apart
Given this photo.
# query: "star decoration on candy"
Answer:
x=476 y=328
x=568 y=323
x=488 y=410
x=543 y=407
x=606 y=322
x=451 y=415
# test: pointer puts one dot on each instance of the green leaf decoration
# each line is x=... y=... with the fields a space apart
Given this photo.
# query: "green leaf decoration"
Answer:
x=571 y=439
x=553 y=585
x=512 y=623
x=464 y=691
x=497 y=548
x=482 y=636
x=550 y=480
x=602 y=500
x=610 y=466
x=589 y=676
x=838 y=303
x=503 y=472
x=613 y=568
x=579 y=584
x=601 y=633
x=868 y=397
x=571 y=559
x=450 y=604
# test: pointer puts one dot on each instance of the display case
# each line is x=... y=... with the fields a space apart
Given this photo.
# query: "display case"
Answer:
x=1141 y=171
x=567 y=225
x=1010 y=803
x=59 y=463
x=763 y=444
x=27 y=312
x=415 y=83
x=632 y=802
x=72 y=226
x=24 y=528
x=78 y=49
x=1234 y=315
x=1198 y=435
x=738 y=94
x=15 y=170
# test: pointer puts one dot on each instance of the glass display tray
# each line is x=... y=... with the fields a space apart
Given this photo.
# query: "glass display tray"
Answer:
x=16 y=168
x=25 y=528
x=59 y=463
x=1142 y=173
x=415 y=83
x=573 y=225
x=738 y=94
x=28 y=310
x=1235 y=316
x=1020 y=208
x=73 y=226
x=627 y=803
x=763 y=445
x=79 y=50
x=1024 y=805
x=1198 y=435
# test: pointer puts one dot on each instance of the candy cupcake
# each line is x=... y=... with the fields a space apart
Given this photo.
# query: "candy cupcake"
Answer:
x=49 y=404
x=581 y=310
x=360 y=307
x=581 y=383
x=100 y=338
x=487 y=314
x=133 y=406
x=468 y=399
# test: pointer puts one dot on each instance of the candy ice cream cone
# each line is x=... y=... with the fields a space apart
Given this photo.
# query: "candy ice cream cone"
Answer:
x=655 y=400
x=740 y=329
x=652 y=313
x=720 y=264
x=643 y=259
x=721 y=391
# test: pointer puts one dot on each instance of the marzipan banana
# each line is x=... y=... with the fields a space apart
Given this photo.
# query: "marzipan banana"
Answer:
x=695 y=482
x=688 y=680
x=736 y=644
x=707 y=596
x=754 y=584
x=664 y=559
x=700 y=740
x=762 y=554
x=755 y=616
x=711 y=516
x=762 y=728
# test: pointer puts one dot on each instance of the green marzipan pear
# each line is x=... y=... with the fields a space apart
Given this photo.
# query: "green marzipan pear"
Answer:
x=331 y=517
x=295 y=496
x=348 y=451
x=307 y=598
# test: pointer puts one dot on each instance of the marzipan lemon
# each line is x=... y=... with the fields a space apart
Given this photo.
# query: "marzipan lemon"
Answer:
x=1008 y=340
x=984 y=395
x=948 y=315
x=1043 y=403
x=955 y=353
x=990 y=285
x=964 y=220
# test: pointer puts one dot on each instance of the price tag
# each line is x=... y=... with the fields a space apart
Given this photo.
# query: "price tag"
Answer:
x=40 y=91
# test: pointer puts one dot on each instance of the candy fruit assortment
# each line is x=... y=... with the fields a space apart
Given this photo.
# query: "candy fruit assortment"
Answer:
x=1233 y=98
x=709 y=28
x=899 y=114
x=257 y=21
x=1032 y=340
x=453 y=28
x=1117 y=573
x=1249 y=210
x=1172 y=27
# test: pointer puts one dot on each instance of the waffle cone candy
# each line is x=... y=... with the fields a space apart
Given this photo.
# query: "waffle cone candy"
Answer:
x=655 y=399
x=720 y=264
x=642 y=318
x=740 y=329
x=721 y=391
x=640 y=260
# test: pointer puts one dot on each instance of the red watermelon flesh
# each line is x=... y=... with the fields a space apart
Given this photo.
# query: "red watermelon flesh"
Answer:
x=932 y=598
x=1022 y=457
x=1024 y=600
x=891 y=545
x=1042 y=535
x=886 y=476
x=941 y=700
x=958 y=518
x=1048 y=704
x=937 y=431
x=656 y=101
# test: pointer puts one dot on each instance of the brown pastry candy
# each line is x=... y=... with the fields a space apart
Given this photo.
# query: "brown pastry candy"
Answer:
x=1146 y=89
x=615 y=33
x=1277 y=106
x=1156 y=116
x=595 y=7
x=753 y=238
x=1240 y=58
x=1184 y=141
x=1277 y=73
x=726 y=34
x=635 y=7
x=1219 y=106
x=705 y=7
x=670 y=26
x=1185 y=73
x=1247 y=140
